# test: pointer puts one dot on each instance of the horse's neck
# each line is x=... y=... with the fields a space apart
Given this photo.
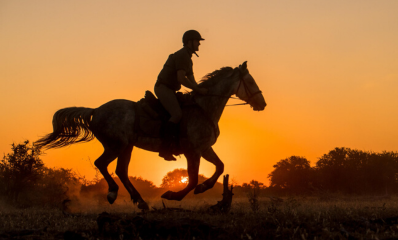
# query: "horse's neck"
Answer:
x=214 y=105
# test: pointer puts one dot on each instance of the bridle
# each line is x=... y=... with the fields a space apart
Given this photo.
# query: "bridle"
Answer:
x=246 y=88
x=243 y=83
x=247 y=91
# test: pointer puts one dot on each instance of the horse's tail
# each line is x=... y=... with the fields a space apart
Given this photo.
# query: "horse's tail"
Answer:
x=70 y=125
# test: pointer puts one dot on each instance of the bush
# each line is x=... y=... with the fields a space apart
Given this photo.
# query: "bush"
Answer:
x=20 y=170
x=25 y=181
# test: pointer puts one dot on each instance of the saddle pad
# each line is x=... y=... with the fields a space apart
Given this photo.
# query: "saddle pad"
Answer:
x=145 y=124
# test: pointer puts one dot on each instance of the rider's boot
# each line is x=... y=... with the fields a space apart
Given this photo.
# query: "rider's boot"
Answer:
x=169 y=141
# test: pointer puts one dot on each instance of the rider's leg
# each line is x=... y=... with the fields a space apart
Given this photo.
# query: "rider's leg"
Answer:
x=169 y=100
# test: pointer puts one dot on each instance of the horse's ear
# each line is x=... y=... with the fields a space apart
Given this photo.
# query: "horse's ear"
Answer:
x=243 y=67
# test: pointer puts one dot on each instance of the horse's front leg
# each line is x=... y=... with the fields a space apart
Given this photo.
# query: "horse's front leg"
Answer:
x=193 y=171
x=212 y=157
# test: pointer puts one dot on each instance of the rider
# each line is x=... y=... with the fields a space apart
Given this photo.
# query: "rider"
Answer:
x=176 y=71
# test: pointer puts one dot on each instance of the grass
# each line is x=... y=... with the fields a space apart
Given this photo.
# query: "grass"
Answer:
x=294 y=218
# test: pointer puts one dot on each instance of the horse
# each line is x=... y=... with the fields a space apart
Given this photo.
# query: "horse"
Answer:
x=113 y=125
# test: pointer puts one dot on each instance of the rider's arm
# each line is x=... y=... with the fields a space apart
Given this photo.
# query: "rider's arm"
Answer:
x=192 y=79
x=186 y=82
x=200 y=90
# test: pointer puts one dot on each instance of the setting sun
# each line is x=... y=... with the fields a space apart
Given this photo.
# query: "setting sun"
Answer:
x=184 y=180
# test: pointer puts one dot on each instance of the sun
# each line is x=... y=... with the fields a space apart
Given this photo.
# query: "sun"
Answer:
x=184 y=180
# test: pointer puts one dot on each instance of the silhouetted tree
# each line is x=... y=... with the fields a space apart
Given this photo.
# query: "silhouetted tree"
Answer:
x=292 y=174
x=332 y=168
x=56 y=185
x=178 y=178
x=20 y=169
x=381 y=172
x=357 y=172
x=175 y=178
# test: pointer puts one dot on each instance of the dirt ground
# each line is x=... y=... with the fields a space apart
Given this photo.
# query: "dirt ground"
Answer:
x=287 y=218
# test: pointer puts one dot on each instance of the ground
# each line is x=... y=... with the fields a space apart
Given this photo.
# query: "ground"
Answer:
x=293 y=218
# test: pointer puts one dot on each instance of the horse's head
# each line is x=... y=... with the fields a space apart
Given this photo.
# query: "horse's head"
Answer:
x=248 y=90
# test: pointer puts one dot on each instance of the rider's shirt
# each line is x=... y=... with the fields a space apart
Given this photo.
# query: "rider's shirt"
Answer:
x=180 y=60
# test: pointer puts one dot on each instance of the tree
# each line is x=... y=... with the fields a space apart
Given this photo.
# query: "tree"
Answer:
x=175 y=178
x=56 y=185
x=337 y=169
x=357 y=172
x=178 y=178
x=380 y=172
x=20 y=169
x=292 y=174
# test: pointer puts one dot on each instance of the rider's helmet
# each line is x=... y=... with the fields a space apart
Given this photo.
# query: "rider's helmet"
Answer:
x=191 y=35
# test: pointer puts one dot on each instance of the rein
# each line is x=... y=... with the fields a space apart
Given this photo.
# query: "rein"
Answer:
x=247 y=91
x=215 y=95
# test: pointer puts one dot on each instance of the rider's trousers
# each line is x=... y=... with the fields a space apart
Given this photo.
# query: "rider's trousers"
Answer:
x=169 y=101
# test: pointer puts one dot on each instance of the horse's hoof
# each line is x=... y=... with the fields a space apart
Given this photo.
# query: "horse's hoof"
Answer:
x=167 y=195
x=111 y=197
x=200 y=188
x=142 y=205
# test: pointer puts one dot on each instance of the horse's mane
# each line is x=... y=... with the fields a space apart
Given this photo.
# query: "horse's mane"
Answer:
x=211 y=79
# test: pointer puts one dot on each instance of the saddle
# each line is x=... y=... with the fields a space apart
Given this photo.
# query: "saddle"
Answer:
x=151 y=115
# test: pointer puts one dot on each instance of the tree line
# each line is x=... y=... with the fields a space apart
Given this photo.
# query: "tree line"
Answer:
x=25 y=180
x=342 y=170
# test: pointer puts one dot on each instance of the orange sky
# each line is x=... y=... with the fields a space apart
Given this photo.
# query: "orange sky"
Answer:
x=328 y=71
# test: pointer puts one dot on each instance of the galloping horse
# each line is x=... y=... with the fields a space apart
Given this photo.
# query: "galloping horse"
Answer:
x=113 y=125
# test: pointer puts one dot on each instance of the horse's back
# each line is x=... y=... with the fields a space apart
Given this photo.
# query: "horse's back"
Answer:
x=114 y=121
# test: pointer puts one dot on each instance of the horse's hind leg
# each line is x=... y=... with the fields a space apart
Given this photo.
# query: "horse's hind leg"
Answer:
x=102 y=164
x=212 y=157
x=122 y=171
x=193 y=160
